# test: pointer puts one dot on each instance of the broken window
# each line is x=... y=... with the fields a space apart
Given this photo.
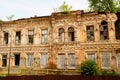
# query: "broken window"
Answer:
x=71 y=60
x=44 y=60
x=61 y=35
x=71 y=35
x=90 y=33
x=18 y=37
x=29 y=59
x=61 y=60
x=4 y=60
x=17 y=59
x=44 y=36
x=31 y=36
x=5 y=37
x=104 y=31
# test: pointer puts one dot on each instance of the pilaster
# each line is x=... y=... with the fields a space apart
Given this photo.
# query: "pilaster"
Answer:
x=24 y=36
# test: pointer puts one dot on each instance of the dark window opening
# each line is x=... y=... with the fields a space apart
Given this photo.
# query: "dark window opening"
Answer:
x=30 y=39
x=71 y=36
x=5 y=37
x=104 y=31
x=90 y=33
x=17 y=59
x=18 y=37
x=31 y=36
x=4 y=60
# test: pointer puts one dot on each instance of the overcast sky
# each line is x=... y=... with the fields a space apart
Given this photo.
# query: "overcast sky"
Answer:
x=29 y=8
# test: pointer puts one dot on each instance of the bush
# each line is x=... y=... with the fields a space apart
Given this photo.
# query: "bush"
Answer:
x=107 y=72
x=89 y=67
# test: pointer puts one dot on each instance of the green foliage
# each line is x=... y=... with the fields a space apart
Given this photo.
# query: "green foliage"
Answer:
x=65 y=8
x=117 y=3
x=0 y=20
x=106 y=72
x=10 y=17
x=89 y=67
x=105 y=5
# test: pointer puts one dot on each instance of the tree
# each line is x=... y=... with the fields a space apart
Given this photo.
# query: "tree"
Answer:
x=105 y=5
x=108 y=6
x=117 y=3
x=1 y=21
x=10 y=17
x=65 y=8
x=89 y=67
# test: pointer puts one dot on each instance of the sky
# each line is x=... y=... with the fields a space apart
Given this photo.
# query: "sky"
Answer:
x=30 y=8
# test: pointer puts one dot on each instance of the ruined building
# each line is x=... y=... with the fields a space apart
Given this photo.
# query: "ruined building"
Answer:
x=57 y=44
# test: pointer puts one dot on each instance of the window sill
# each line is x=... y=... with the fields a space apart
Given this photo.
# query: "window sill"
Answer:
x=71 y=68
x=29 y=67
x=69 y=42
x=5 y=44
x=60 y=68
x=18 y=44
x=44 y=43
x=16 y=66
x=43 y=67
x=3 y=67
x=30 y=43
x=90 y=41
x=107 y=68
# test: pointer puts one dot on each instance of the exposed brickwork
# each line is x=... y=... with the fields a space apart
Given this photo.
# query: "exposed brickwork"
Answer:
x=78 y=20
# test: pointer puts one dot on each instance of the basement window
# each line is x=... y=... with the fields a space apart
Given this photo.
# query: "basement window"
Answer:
x=90 y=33
x=4 y=60
x=18 y=37
x=71 y=36
x=104 y=31
x=5 y=37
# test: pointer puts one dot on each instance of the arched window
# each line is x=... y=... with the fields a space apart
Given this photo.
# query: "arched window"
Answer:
x=71 y=35
x=61 y=35
x=104 y=31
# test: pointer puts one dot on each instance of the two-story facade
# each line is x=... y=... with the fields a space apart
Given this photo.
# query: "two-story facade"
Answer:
x=29 y=45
